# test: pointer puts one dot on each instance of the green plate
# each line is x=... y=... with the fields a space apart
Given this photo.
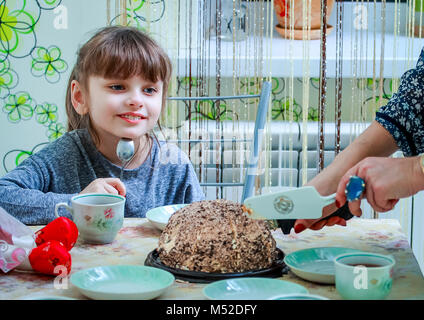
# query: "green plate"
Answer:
x=122 y=282
x=159 y=216
x=250 y=289
x=315 y=264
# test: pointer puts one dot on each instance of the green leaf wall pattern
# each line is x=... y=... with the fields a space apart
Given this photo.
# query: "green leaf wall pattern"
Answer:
x=19 y=45
x=48 y=63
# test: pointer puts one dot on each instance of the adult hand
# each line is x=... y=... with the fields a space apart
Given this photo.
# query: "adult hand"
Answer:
x=386 y=181
x=106 y=185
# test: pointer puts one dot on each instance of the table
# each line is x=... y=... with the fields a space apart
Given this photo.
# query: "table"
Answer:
x=138 y=237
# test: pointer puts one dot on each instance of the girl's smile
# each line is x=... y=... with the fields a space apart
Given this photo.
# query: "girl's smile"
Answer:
x=132 y=117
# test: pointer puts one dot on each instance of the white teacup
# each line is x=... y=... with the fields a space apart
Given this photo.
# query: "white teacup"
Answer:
x=97 y=216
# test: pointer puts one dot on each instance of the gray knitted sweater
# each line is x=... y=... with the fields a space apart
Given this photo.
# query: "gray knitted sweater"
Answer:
x=66 y=166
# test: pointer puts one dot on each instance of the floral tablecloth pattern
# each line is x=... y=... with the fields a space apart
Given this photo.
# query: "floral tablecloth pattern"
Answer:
x=138 y=237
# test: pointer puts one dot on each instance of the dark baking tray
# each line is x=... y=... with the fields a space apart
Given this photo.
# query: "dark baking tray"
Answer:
x=277 y=269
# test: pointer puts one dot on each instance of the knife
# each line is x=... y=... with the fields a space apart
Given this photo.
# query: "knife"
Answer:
x=299 y=203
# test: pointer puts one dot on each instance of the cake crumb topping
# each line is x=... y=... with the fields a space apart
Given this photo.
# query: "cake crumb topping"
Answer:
x=216 y=236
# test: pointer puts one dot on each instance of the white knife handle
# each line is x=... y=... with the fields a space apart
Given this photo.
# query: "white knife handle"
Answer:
x=329 y=199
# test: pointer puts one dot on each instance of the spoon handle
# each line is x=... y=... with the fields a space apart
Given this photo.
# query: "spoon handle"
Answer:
x=123 y=165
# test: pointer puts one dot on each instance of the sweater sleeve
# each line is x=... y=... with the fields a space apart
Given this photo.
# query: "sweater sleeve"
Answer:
x=182 y=183
x=24 y=195
x=193 y=191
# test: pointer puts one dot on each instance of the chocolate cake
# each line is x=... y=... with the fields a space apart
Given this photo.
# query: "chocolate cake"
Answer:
x=216 y=236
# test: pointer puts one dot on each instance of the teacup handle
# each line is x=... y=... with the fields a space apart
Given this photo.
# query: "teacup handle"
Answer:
x=62 y=204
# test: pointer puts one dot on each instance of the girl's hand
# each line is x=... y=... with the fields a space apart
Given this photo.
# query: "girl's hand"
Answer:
x=106 y=185
x=386 y=181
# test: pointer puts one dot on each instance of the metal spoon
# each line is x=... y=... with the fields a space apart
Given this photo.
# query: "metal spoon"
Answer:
x=125 y=152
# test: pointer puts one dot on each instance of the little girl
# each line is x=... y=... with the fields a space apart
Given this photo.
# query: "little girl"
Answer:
x=116 y=90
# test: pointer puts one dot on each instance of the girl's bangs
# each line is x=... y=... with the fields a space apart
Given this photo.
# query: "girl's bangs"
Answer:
x=127 y=58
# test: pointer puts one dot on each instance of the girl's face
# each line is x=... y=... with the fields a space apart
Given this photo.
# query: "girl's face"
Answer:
x=124 y=108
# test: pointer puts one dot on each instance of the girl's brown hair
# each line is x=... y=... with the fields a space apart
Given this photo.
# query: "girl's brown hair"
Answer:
x=116 y=52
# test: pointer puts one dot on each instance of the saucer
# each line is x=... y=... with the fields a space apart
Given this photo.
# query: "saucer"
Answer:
x=315 y=264
x=159 y=216
x=251 y=289
x=122 y=282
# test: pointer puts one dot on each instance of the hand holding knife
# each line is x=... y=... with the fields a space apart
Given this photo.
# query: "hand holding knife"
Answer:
x=300 y=203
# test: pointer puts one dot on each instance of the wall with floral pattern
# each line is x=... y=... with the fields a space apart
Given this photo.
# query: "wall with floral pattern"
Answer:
x=38 y=42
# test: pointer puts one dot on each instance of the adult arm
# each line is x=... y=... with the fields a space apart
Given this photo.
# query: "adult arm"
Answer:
x=375 y=141
x=398 y=125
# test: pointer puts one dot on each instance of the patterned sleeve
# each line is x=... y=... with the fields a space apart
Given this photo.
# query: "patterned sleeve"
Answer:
x=402 y=117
